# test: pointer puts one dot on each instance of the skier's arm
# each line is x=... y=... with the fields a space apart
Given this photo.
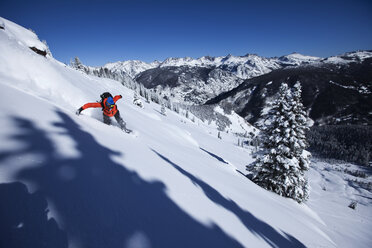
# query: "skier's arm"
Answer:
x=92 y=105
x=89 y=105
x=117 y=97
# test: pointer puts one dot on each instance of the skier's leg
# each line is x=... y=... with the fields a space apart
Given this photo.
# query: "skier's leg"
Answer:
x=106 y=119
x=120 y=121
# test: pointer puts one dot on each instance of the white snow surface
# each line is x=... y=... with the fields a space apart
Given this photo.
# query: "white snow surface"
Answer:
x=21 y=35
x=172 y=183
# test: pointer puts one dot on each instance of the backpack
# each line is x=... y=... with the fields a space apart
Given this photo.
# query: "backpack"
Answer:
x=103 y=97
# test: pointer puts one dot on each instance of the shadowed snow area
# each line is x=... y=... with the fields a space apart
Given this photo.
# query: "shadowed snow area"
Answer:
x=102 y=204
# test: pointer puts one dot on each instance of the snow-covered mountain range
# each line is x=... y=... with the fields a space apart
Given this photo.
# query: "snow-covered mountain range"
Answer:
x=131 y=67
x=195 y=81
x=72 y=181
x=336 y=92
x=243 y=67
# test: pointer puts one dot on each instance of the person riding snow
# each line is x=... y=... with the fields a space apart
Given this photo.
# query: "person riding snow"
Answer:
x=109 y=108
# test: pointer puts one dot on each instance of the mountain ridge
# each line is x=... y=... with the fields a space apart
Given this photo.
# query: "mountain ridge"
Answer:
x=333 y=93
x=130 y=66
x=133 y=67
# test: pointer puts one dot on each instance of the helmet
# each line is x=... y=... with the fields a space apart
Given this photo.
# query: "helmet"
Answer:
x=110 y=101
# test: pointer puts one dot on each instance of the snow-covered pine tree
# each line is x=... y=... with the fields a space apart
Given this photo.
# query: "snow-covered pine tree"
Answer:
x=279 y=168
x=302 y=126
x=136 y=100
x=176 y=108
x=168 y=104
x=163 y=111
x=154 y=97
x=76 y=63
x=47 y=48
x=147 y=96
x=135 y=96
x=142 y=90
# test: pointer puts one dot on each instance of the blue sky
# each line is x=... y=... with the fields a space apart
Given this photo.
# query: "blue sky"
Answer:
x=102 y=31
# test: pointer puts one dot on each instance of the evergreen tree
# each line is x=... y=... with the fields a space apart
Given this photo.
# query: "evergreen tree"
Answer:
x=281 y=166
x=147 y=96
x=136 y=100
x=176 y=108
x=300 y=129
x=163 y=111
x=155 y=97
x=135 y=96
x=168 y=104
x=47 y=48
x=76 y=63
x=141 y=90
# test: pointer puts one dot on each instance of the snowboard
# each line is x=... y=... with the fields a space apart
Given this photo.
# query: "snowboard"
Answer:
x=126 y=130
x=130 y=132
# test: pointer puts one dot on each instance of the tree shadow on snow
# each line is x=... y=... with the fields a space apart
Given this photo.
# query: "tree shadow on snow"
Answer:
x=102 y=204
x=24 y=220
x=256 y=226
x=214 y=155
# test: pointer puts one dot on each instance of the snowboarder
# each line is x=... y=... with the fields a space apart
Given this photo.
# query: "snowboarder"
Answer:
x=109 y=109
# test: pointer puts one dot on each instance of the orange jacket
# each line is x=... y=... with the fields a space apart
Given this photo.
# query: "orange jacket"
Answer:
x=106 y=110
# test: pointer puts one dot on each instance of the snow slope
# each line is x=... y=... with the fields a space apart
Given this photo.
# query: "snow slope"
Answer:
x=335 y=186
x=172 y=184
x=22 y=36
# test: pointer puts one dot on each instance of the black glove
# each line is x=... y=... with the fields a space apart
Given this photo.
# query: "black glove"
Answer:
x=79 y=111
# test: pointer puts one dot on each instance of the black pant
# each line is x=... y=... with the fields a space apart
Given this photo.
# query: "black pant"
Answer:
x=107 y=120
